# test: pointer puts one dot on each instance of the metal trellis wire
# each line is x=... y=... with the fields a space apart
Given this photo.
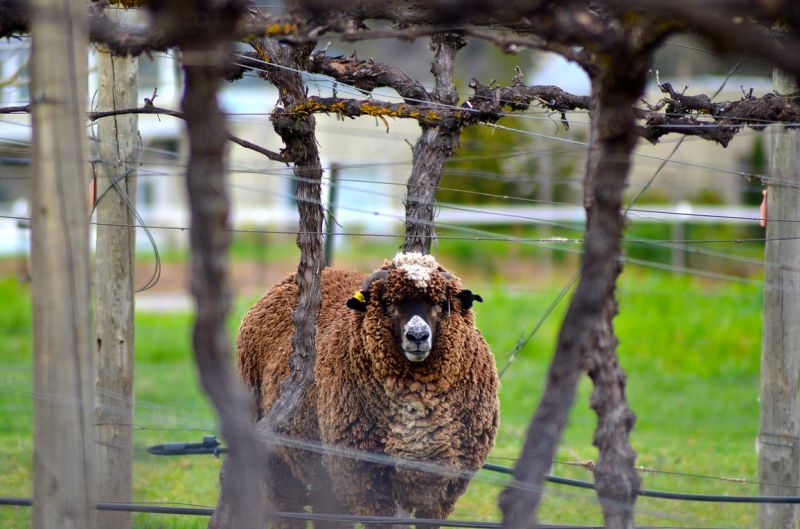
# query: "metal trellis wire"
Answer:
x=211 y=445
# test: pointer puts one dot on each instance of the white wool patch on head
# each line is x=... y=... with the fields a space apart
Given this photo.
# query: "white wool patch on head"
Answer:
x=418 y=267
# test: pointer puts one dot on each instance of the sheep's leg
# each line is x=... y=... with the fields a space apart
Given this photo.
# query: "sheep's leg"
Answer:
x=364 y=488
x=440 y=512
x=324 y=501
x=375 y=503
x=387 y=509
x=430 y=497
x=288 y=494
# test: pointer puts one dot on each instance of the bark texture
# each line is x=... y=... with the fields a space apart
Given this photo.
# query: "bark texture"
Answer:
x=119 y=149
x=689 y=115
x=366 y=74
x=683 y=114
x=204 y=65
x=586 y=336
x=63 y=445
x=208 y=200
x=612 y=141
x=434 y=146
x=301 y=147
x=779 y=428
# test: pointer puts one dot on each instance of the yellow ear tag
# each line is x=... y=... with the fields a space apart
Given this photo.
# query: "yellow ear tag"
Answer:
x=359 y=296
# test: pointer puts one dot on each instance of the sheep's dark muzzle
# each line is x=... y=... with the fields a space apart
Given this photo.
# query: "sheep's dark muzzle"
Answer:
x=417 y=338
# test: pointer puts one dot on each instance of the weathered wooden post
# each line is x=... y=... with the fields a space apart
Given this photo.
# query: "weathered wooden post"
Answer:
x=330 y=223
x=63 y=446
x=778 y=444
x=118 y=150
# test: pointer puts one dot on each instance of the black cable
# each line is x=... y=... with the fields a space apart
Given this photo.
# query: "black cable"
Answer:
x=210 y=445
x=644 y=493
x=343 y=518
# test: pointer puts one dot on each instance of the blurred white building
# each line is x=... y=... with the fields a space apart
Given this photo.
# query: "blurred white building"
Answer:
x=262 y=191
x=375 y=163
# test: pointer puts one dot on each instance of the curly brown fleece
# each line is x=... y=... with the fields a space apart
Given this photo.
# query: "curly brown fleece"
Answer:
x=368 y=396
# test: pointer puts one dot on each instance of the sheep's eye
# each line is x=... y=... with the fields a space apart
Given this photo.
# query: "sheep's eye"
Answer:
x=443 y=305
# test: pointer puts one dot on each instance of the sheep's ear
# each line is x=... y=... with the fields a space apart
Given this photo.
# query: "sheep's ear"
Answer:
x=359 y=301
x=467 y=297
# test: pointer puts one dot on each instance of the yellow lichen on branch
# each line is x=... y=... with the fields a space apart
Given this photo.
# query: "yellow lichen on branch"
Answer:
x=262 y=53
x=279 y=29
x=377 y=110
x=127 y=4
x=352 y=108
x=308 y=107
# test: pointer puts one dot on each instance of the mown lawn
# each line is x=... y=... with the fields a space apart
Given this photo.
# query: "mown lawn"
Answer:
x=689 y=346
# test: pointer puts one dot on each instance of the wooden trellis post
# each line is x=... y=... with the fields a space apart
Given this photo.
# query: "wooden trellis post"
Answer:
x=63 y=481
x=118 y=150
x=779 y=446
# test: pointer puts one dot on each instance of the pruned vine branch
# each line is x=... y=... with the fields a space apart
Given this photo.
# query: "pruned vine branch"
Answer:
x=149 y=108
x=571 y=31
x=678 y=113
x=367 y=75
x=699 y=116
x=430 y=115
x=691 y=115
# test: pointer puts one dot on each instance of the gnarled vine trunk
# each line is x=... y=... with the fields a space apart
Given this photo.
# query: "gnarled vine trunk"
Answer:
x=586 y=338
x=435 y=145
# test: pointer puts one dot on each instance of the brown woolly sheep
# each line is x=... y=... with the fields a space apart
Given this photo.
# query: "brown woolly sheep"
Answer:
x=402 y=372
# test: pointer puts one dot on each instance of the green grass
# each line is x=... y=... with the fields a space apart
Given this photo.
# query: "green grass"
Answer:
x=690 y=348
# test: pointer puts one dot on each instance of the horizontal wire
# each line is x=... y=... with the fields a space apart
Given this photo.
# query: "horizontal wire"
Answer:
x=672 y=243
x=315 y=78
x=761 y=177
x=290 y=176
x=448 y=171
x=351 y=453
x=649 y=470
x=688 y=164
x=647 y=493
x=155 y=508
x=278 y=171
x=482 y=235
x=115 y=410
x=287 y=174
x=350 y=234
x=139 y=404
x=344 y=87
x=317 y=447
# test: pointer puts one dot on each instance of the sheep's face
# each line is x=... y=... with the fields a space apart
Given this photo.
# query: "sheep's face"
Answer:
x=413 y=295
x=415 y=322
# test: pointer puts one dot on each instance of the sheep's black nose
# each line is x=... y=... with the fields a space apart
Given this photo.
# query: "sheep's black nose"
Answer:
x=417 y=334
